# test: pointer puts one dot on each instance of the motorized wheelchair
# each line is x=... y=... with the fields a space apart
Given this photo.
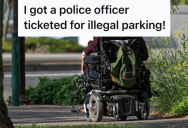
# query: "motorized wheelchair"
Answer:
x=102 y=96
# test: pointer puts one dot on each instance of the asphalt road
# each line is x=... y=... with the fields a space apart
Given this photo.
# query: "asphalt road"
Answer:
x=32 y=78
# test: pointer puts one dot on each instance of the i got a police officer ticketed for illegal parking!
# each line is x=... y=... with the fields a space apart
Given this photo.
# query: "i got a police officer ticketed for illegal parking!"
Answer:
x=94 y=18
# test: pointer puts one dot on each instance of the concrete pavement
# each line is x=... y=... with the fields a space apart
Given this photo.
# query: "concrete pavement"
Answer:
x=61 y=115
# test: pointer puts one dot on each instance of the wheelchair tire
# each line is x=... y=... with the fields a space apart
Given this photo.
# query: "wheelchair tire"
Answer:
x=95 y=109
x=123 y=118
x=144 y=116
x=88 y=118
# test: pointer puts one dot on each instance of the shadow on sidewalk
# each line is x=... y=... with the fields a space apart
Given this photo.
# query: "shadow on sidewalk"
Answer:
x=61 y=115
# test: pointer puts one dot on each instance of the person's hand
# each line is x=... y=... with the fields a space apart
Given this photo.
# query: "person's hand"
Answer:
x=82 y=72
x=82 y=66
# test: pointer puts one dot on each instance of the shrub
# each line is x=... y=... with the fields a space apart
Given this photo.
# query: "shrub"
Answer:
x=7 y=47
x=183 y=2
x=56 y=91
x=169 y=67
x=181 y=107
x=55 y=46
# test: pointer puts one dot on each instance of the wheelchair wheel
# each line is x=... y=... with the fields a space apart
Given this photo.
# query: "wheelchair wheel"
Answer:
x=116 y=114
x=87 y=113
x=88 y=117
x=141 y=115
x=95 y=109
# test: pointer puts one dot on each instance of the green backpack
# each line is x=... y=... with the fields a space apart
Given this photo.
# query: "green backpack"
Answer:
x=124 y=71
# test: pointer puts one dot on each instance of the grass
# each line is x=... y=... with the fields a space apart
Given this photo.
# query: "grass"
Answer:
x=127 y=125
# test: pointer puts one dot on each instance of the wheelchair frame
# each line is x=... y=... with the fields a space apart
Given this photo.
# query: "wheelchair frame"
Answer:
x=114 y=100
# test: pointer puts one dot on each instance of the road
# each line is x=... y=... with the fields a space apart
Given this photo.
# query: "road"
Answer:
x=42 y=56
x=46 y=62
x=32 y=78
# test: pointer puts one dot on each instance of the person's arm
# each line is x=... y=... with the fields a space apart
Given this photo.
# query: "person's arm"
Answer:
x=82 y=66
x=92 y=47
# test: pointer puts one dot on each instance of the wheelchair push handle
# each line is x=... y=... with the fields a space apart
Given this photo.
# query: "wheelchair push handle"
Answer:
x=133 y=42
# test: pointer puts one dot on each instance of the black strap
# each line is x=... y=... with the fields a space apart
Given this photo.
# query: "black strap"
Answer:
x=75 y=98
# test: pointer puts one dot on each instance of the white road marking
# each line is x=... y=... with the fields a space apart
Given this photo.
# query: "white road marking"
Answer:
x=41 y=75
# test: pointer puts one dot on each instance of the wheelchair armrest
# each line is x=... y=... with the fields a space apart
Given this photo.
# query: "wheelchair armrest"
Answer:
x=92 y=59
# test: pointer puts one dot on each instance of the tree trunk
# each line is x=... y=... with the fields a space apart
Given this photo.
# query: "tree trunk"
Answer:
x=5 y=121
x=7 y=17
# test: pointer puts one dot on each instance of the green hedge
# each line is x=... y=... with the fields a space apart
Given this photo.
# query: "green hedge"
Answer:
x=7 y=46
x=55 y=46
x=56 y=91
x=183 y=2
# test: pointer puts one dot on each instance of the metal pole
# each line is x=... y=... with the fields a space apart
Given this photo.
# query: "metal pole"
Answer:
x=22 y=67
x=15 y=58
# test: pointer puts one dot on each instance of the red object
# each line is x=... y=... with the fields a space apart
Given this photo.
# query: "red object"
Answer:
x=93 y=46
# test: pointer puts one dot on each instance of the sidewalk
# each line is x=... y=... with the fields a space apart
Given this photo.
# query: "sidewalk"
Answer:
x=61 y=115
